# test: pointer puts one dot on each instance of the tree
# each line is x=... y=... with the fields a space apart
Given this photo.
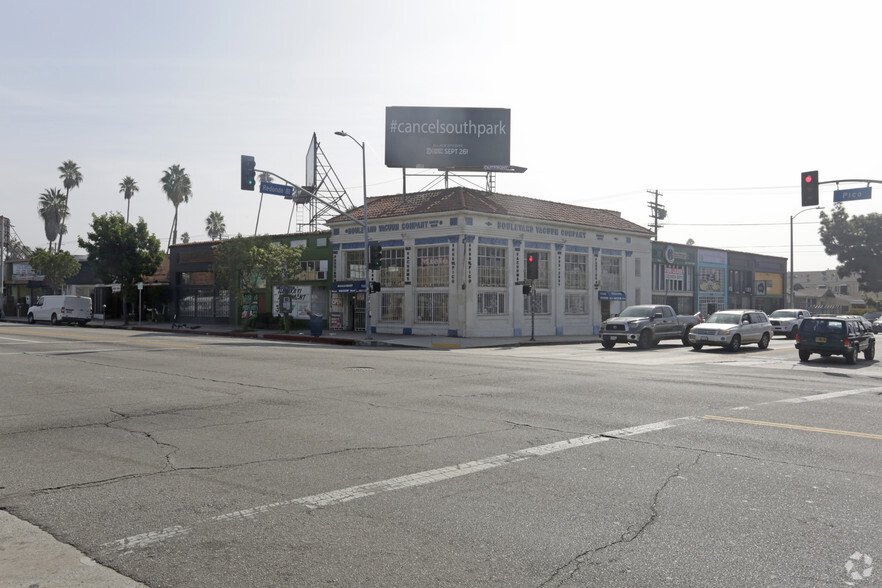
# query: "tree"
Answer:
x=56 y=267
x=214 y=225
x=244 y=265
x=52 y=209
x=857 y=244
x=71 y=178
x=127 y=187
x=185 y=237
x=176 y=185
x=123 y=252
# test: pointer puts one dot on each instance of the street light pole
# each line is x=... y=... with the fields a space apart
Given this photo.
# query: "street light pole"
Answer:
x=792 y=303
x=367 y=269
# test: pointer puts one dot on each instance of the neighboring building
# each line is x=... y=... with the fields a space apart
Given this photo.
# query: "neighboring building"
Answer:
x=697 y=279
x=454 y=265
x=825 y=292
x=196 y=299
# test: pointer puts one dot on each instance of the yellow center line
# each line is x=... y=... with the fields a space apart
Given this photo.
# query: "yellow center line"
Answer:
x=39 y=334
x=796 y=427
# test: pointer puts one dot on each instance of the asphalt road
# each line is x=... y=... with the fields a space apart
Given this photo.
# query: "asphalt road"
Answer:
x=190 y=461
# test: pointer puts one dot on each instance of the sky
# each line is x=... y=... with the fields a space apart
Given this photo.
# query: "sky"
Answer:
x=717 y=106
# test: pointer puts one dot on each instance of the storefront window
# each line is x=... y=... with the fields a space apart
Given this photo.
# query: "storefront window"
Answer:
x=611 y=272
x=433 y=266
x=491 y=267
x=355 y=265
x=491 y=303
x=392 y=273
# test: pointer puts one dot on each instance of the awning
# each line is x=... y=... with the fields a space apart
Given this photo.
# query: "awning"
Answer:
x=347 y=287
x=610 y=295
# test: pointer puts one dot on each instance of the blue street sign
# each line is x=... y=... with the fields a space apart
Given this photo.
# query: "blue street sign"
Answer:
x=279 y=189
x=853 y=194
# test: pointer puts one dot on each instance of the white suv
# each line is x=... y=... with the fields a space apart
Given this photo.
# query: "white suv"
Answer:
x=786 y=321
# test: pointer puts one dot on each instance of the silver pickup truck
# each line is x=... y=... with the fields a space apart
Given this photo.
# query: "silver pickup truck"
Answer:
x=646 y=325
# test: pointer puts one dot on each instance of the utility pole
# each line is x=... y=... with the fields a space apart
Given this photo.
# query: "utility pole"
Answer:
x=658 y=212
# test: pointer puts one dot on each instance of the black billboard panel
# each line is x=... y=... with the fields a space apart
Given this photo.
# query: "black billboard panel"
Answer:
x=447 y=138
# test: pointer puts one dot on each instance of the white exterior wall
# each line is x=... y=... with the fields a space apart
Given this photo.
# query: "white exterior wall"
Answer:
x=463 y=233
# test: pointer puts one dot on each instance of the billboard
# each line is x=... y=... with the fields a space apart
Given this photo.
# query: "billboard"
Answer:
x=447 y=138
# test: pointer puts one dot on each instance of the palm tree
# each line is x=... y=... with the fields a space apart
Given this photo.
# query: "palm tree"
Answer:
x=215 y=226
x=52 y=209
x=127 y=187
x=71 y=177
x=176 y=185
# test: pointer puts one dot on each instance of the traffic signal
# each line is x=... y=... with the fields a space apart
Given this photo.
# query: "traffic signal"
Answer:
x=375 y=259
x=248 y=172
x=810 y=188
x=376 y=287
x=527 y=289
x=532 y=267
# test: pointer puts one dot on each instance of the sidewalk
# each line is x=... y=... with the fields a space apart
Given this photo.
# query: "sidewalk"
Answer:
x=341 y=337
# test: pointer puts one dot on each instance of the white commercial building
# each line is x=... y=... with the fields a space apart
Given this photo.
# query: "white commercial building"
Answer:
x=454 y=264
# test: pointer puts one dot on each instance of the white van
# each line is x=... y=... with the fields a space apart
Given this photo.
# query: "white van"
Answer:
x=61 y=309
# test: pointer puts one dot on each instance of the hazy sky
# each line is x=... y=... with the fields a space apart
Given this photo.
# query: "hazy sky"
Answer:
x=719 y=106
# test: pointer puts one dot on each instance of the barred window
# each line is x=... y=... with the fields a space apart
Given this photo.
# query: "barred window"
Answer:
x=392 y=273
x=491 y=267
x=433 y=266
x=491 y=303
x=392 y=306
x=539 y=302
x=355 y=264
x=432 y=307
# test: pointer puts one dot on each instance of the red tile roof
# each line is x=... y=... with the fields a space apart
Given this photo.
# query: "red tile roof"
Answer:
x=460 y=199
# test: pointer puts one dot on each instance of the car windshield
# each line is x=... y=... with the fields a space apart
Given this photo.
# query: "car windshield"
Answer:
x=783 y=314
x=729 y=318
x=641 y=311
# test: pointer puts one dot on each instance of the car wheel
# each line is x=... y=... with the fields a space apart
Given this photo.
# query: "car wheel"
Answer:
x=735 y=344
x=764 y=341
x=54 y=319
x=870 y=352
x=792 y=333
x=31 y=319
x=697 y=346
x=804 y=355
x=607 y=344
x=645 y=341
x=685 y=338
x=850 y=357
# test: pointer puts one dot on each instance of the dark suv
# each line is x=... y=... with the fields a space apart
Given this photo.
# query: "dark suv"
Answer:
x=835 y=335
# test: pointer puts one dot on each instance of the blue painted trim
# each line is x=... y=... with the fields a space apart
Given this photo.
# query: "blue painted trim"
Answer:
x=436 y=240
x=537 y=245
x=577 y=249
x=452 y=333
x=493 y=241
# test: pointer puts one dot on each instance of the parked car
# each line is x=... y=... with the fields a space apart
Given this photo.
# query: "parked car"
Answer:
x=877 y=326
x=785 y=321
x=732 y=329
x=835 y=335
x=61 y=309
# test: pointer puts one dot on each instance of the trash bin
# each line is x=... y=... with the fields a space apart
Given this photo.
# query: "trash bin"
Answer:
x=315 y=325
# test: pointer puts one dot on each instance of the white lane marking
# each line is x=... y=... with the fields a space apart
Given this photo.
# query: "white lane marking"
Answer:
x=14 y=340
x=827 y=395
x=437 y=475
x=400 y=483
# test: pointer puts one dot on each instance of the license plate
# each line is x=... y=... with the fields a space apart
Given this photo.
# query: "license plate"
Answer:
x=614 y=338
x=704 y=338
x=820 y=339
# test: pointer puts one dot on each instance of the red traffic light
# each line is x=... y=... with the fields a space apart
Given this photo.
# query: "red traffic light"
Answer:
x=810 y=195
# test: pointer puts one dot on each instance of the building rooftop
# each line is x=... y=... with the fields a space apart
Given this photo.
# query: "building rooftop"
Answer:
x=460 y=199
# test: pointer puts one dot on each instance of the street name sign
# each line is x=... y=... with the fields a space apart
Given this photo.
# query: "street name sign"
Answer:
x=279 y=189
x=853 y=194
